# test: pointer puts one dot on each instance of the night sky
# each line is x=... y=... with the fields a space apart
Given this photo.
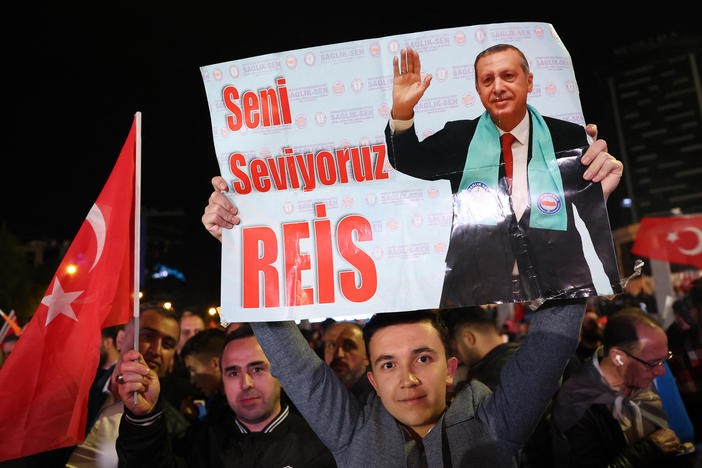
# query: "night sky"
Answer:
x=75 y=77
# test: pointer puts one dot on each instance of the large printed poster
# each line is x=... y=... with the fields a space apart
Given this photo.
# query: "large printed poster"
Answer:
x=328 y=226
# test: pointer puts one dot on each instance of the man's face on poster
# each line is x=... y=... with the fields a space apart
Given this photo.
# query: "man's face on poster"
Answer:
x=503 y=87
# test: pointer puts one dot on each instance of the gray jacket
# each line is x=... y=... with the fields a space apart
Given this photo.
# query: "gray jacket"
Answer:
x=479 y=428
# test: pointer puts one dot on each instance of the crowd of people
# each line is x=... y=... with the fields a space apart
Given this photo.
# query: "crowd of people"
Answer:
x=572 y=384
x=223 y=396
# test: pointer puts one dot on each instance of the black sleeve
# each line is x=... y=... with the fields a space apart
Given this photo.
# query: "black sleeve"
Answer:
x=593 y=445
x=143 y=440
x=441 y=155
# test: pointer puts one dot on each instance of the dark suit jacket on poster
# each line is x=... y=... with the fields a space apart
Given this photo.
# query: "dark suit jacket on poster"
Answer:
x=480 y=258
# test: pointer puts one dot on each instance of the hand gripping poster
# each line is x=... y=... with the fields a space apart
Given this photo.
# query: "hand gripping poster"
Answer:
x=348 y=210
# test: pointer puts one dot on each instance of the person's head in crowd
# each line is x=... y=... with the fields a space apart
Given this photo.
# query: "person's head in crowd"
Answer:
x=503 y=81
x=688 y=309
x=190 y=323
x=591 y=331
x=201 y=357
x=345 y=352
x=252 y=392
x=158 y=337
x=472 y=331
x=410 y=367
x=635 y=350
x=8 y=344
x=109 y=348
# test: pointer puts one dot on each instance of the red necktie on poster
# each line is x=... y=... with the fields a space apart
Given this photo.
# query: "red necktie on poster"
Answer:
x=507 y=139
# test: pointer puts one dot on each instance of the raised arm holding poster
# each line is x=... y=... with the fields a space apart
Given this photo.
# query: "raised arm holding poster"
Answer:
x=330 y=227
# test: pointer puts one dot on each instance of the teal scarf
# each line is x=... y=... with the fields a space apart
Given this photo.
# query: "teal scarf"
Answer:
x=478 y=186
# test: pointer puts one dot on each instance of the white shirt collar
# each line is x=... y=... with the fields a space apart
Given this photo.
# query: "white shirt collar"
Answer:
x=521 y=131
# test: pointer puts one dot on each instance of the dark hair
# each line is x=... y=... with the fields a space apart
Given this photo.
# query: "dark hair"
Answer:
x=456 y=318
x=209 y=342
x=620 y=330
x=242 y=331
x=344 y=322
x=159 y=309
x=190 y=313
x=111 y=332
x=382 y=320
x=501 y=48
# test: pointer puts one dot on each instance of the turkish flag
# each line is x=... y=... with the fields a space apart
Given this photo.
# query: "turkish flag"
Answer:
x=676 y=239
x=45 y=382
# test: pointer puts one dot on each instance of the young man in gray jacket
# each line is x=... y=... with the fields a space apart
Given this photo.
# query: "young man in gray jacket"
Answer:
x=407 y=422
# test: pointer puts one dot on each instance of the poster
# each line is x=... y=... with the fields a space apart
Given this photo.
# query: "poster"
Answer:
x=328 y=227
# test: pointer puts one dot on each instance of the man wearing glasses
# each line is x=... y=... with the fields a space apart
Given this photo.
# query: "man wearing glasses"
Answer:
x=608 y=413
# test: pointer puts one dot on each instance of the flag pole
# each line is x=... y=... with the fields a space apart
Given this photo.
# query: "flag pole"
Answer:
x=137 y=231
x=137 y=234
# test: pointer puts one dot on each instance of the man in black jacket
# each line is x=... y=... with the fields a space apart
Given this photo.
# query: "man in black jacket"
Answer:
x=251 y=425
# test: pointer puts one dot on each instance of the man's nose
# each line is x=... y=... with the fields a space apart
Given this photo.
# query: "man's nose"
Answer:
x=246 y=381
x=498 y=86
x=409 y=379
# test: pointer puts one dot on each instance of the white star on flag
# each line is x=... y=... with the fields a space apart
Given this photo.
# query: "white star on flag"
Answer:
x=59 y=302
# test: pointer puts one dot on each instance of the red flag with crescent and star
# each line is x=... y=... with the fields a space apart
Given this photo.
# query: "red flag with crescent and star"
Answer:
x=44 y=383
x=675 y=239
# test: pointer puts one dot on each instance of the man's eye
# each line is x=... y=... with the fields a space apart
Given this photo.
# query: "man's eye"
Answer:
x=424 y=358
x=387 y=365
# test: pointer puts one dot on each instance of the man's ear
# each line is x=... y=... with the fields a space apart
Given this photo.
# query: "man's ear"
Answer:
x=451 y=366
x=468 y=337
x=530 y=82
x=369 y=374
x=214 y=363
x=616 y=355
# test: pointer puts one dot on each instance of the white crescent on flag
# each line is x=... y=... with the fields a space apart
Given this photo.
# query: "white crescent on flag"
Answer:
x=97 y=222
x=698 y=248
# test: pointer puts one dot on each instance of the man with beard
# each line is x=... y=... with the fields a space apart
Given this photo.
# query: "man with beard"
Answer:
x=345 y=353
x=158 y=336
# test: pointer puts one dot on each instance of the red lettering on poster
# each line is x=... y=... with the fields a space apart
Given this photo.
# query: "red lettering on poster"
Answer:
x=260 y=252
x=295 y=263
x=270 y=107
x=365 y=288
